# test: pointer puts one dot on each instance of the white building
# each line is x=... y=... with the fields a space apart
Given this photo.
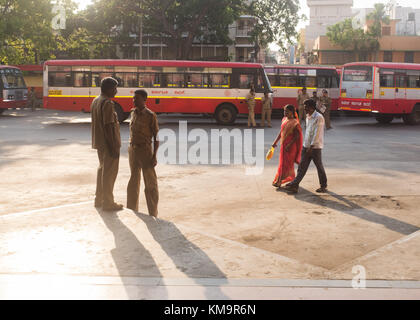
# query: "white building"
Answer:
x=324 y=13
x=409 y=20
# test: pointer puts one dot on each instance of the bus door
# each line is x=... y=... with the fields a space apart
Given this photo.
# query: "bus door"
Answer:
x=400 y=91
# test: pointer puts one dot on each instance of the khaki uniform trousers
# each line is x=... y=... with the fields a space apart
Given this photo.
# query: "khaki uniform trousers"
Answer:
x=105 y=179
x=251 y=116
x=264 y=113
x=327 y=117
x=302 y=113
x=140 y=158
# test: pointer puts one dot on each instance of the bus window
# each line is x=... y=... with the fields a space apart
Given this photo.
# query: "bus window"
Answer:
x=195 y=80
x=324 y=82
x=401 y=81
x=219 y=80
x=97 y=78
x=245 y=81
x=335 y=82
x=12 y=80
x=414 y=81
x=149 y=80
x=174 y=80
x=307 y=78
x=413 y=78
x=80 y=79
x=126 y=79
x=260 y=82
x=357 y=73
x=59 y=79
x=287 y=77
x=386 y=80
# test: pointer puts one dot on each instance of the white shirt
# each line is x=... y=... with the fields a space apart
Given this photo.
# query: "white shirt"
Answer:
x=314 y=134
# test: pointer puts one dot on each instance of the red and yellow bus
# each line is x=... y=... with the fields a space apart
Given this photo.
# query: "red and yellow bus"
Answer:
x=389 y=90
x=13 y=91
x=217 y=88
x=287 y=80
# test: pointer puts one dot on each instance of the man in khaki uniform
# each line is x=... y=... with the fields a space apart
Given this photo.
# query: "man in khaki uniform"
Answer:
x=326 y=101
x=143 y=129
x=302 y=96
x=107 y=141
x=266 y=110
x=250 y=100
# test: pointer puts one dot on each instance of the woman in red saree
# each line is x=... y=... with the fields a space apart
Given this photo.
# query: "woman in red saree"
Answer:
x=291 y=138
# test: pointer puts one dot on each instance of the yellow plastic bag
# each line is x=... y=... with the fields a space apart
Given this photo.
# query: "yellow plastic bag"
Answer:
x=269 y=154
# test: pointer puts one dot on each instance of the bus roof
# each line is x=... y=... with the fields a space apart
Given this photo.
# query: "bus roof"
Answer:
x=386 y=65
x=6 y=66
x=300 y=66
x=152 y=63
x=30 y=67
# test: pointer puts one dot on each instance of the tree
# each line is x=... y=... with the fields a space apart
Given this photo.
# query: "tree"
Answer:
x=357 y=40
x=25 y=31
x=179 y=22
x=354 y=39
x=378 y=18
x=276 y=21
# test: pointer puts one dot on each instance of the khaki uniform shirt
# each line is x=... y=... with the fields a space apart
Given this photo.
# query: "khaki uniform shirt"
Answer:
x=250 y=99
x=301 y=98
x=103 y=113
x=143 y=126
x=326 y=101
x=266 y=103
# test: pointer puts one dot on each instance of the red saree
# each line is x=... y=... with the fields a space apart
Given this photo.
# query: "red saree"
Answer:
x=286 y=169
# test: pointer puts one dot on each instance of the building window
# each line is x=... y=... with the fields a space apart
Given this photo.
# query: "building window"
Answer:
x=409 y=57
x=387 y=56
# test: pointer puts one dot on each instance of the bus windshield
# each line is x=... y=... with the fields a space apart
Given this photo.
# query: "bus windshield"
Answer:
x=12 y=79
x=357 y=73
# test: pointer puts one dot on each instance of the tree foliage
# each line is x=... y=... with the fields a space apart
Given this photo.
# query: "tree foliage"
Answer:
x=276 y=21
x=358 y=40
x=26 y=35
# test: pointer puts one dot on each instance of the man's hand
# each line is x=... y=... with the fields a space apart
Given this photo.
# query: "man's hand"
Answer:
x=154 y=161
x=309 y=151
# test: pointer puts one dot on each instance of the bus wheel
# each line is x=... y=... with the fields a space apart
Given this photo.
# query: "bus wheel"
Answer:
x=384 y=118
x=414 y=117
x=225 y=114
x=122 y=116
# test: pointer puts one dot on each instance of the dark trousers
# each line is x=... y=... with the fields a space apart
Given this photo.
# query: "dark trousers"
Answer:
x=316 y=156
x=105 y=180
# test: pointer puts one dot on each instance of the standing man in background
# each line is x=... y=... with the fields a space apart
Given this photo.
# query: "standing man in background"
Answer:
x=266 y=110
x=302 y=96
x=325 y=101
x=106 y=140
x=144 y=128
x=250 y=100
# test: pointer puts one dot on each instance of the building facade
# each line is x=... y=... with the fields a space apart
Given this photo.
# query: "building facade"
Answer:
x=324 y=13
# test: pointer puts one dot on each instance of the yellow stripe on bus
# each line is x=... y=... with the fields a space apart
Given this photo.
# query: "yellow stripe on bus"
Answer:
x=310 y=88
x=152 y=97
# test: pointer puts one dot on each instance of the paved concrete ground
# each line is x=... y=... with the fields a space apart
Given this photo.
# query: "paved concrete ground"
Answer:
x=220 y=233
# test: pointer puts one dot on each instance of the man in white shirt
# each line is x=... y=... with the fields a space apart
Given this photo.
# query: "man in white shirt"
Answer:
x=312 y=148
